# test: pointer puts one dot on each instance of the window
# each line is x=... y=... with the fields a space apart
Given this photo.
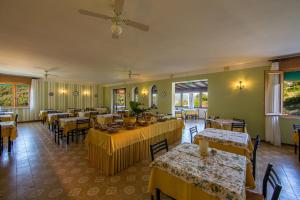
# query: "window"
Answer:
x=119 y=99
x=185 y=99
x=204 y=100
x=14 y=95
x=196 y=98
x=136 y=94
x=178 y=99
x=154 y=95
x=291 y=93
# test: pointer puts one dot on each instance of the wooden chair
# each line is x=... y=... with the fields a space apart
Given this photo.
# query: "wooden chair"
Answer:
x=239 y=120
x=240 y=126
x=253 y=159
x=155 y=148
x=82 y=126
x=57 y=129
x=193 y=130
x=272 y=178
x=207 y=123
x=16 y=119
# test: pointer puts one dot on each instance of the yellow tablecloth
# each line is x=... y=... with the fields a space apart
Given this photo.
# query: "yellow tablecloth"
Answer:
x=69 y=124
x=245 y=148
x=9 y=129
x=296 y=137
x=5 y=118
x=185 y=175
x=192 y=112
x=101 y=110
x=105 y=119
x=112 y=153
x=54 y=116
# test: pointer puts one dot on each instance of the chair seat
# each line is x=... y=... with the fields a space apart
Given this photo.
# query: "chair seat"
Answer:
x=251 y=195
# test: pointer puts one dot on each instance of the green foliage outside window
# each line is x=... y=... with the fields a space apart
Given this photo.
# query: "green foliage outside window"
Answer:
x=14 y=95
x=291 y=97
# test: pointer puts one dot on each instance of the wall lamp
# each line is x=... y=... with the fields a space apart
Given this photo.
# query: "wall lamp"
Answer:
x=240 y=85
x=63 y=91
x=144 y=92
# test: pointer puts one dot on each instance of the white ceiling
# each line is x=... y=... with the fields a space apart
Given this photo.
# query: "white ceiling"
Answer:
x=184 y=36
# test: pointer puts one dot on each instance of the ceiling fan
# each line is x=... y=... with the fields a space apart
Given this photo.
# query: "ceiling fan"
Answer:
x=46 y=74
x=117 y=19
x=130 y=74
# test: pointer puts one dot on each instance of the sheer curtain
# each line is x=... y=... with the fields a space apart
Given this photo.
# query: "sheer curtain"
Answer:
x=34 y=99
x=273 y=105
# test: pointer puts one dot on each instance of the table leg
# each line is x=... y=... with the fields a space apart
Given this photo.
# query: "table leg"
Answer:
x=9 y=144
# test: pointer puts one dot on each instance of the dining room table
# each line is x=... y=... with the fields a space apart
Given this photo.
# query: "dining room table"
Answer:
x=114 y=152
x=105 y=118
x=225 y=124
x=102 y=110
x=8 y=132
x=6 y=117
x=69 y=124
x=183 y=173
x=230 y=141
x=86 y=113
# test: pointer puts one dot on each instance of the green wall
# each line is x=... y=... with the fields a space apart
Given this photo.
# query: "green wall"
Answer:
x=224 y=99
x=286 y=129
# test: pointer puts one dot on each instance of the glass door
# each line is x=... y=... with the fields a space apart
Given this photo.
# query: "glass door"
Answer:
x=119 y=99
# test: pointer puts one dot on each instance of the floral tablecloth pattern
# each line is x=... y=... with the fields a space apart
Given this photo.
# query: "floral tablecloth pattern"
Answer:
x=221 y=174
x=225 y=137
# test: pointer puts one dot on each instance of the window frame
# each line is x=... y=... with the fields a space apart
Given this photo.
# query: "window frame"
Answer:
x=14 y=94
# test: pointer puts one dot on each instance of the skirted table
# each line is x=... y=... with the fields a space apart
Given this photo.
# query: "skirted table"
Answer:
x=183 y=174
x=9 y=132
x=225 y=124
x=230 y=141
x=112 y=153
x=105 y=119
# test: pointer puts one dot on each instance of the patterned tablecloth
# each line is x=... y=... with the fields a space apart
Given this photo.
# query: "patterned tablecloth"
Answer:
x=7 y=113
x=9 y=129
x=221 y=175
x=223 y=123
x=53 y=116
x=224 y=137
x=5 y=118
x=69 y=124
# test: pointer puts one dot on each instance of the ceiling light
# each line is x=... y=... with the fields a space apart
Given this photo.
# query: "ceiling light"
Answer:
x=116 y=29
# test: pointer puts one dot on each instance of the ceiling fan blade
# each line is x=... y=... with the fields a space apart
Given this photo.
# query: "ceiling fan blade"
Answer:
x=93 y=14
x=119 y=4
x=135 y=74
x=114 y=36
x=137 y=25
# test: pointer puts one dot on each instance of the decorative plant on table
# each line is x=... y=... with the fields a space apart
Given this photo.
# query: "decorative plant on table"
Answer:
x=136 y=109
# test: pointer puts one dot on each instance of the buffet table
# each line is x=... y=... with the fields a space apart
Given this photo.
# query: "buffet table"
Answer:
x=113 y=152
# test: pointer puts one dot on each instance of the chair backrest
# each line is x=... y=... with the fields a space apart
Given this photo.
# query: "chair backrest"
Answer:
x=207 y=123
x=253 y=159
x=240 y=125
x=155 y=148
x=63 y=116
x=51 y=111
x=239 y=120
x=296 y=127
x=16 y=119
x=272 y=178
x=83 y=123
x=93 y=114
x=193 y=130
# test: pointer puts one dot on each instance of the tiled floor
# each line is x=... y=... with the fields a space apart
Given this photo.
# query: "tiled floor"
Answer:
x=39 y=169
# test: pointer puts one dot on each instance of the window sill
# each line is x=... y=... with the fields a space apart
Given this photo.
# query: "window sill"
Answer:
x=290 y=117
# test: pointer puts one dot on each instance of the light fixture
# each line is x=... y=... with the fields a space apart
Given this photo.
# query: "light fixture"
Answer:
x=63 y=91
x=86 y=93
x=144 y=92
x=116 y=29
x=240 y=85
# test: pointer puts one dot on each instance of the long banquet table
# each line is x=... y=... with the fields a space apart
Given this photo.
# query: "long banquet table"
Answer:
x=114 y=152
x=230 y=141
x=183 y=174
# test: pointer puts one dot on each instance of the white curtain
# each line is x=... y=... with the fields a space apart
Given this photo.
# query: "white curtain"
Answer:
x=34 y=99
x=273 y=106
